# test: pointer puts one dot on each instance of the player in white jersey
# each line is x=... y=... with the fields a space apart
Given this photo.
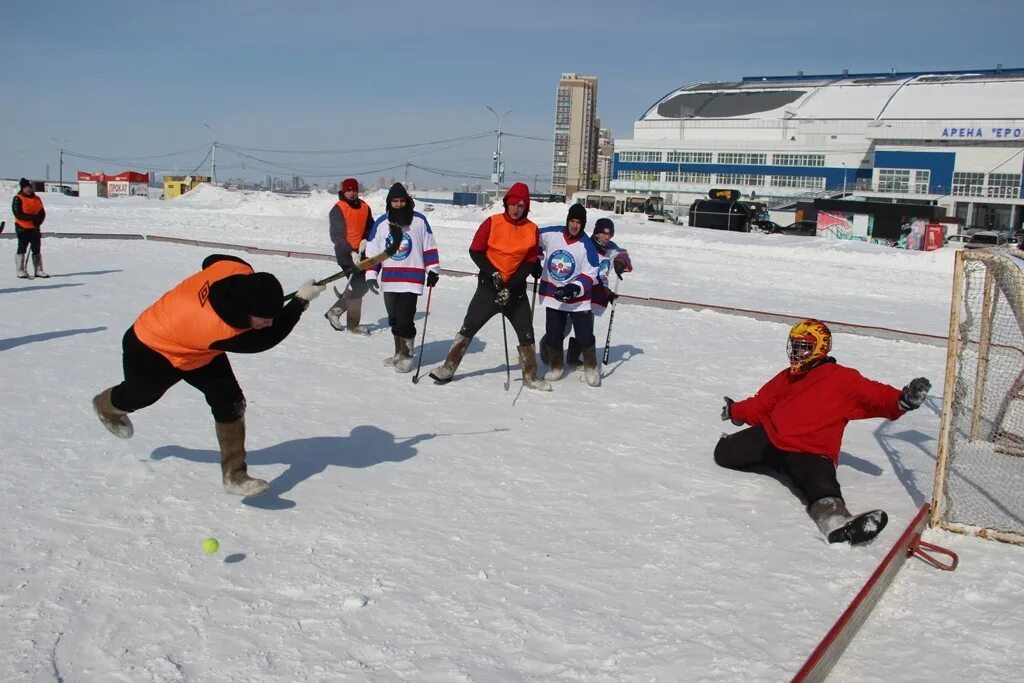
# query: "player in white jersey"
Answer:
x=402 y=276
x=569 y=274
x=611 y=257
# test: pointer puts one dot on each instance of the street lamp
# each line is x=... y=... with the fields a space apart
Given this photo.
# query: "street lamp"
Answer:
x=213 y=161
x=61 y=146
x=496 y=176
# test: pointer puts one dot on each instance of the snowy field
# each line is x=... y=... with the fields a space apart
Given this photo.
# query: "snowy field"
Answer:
x=461 y=532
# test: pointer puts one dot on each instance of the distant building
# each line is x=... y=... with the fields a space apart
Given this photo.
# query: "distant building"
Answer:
x=175 y=186
x=605 y=151
x=119 y=185
x=574 y=162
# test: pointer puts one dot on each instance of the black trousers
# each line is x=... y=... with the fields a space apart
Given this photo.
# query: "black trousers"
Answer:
x=401 y=308
x=482 y=308
x=557 y=327
x=28 y=237
x=148 y=376
x=814 y=475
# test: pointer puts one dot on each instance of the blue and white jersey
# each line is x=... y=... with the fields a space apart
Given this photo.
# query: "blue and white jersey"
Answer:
x=605 y=272
x=566 y=262
x=406 y=270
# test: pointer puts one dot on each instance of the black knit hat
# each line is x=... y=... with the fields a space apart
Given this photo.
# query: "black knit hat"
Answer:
x=23 y=183
x=579 y=213
x=604 y=225
x=237 y=297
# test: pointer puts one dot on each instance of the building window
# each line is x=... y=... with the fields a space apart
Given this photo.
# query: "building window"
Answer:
x=812 y=182
x=798 y=159
x=922 y=179
x=894 y=180
x=688 y=157
x=968 y=184
x=640 y=156
x=688 y=177
x=749 y=158
x=740 y=179
x=1003 y=185
x=647 y=176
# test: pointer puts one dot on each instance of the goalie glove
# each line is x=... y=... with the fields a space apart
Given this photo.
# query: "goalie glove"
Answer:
x=914 y=394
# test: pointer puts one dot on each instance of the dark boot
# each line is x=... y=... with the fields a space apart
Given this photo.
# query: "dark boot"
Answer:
x=543 y=346
x=393 y=358
x=556 y=368
x=444 y=374
x=334 y=313
x=355 y=313
x=114 y=419
x=829 y=514
x=528 y=359
x=231 y=437
x=591 y=371
x=37 y=264
x=572 y=354
x=403 y=361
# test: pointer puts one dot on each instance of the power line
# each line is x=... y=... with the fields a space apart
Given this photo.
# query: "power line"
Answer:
x=354 y=150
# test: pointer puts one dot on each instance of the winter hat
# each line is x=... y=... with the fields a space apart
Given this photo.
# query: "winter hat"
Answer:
x=23 y=183
x=578 y=212
x=517 y=193
x=237 y=297
x=266 y=296
x=349 y=184
x=603 y=226
x=401 y=216
x=397 y=190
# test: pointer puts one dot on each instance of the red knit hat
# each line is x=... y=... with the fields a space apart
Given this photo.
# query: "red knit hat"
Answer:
x=349 y=184
x=518 y=193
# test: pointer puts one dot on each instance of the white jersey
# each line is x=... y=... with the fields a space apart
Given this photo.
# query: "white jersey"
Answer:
x=406 y=271
x=605 y=272
x=567 y=262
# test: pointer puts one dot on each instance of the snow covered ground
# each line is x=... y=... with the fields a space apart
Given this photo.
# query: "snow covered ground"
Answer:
x=461 y=532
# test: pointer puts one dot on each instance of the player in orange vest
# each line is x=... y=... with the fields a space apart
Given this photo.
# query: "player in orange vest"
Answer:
x=350 y=224
x=505 y=248
x=29 y=215
x=184 y=336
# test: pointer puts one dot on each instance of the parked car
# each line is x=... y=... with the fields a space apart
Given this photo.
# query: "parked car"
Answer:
x=800 y=229
x=767 y=226
x=957 y=241
x=986 y=238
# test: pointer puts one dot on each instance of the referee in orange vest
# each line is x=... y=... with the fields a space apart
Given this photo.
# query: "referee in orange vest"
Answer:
x=225 y=307
x=29 y=215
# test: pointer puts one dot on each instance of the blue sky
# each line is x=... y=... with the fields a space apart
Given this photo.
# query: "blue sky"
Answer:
x=126 y=81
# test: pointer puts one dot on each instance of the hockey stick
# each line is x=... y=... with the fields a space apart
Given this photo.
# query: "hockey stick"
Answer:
x=2 y=224
x=423 y=340
x=533 y=299
x=611 y=319
x=365 y=264
x=508 y=370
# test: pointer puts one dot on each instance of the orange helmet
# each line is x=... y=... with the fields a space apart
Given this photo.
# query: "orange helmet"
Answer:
x=809 y=343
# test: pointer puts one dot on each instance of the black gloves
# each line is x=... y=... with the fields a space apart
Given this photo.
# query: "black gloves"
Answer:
x=394 y=241
x=538 y=270
x=567 y=292
x=373 y=286
x=913 y=394
x=432 y=278
x=612 y=296
x=727 y=412
x=619 y=267
x=503 y=297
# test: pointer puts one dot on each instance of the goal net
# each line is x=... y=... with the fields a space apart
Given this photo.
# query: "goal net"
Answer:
x=979 y=476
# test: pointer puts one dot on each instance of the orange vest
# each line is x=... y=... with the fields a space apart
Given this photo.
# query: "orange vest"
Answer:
x=355 y=221
x=182 y=324
x=508 y=245
x=32 y=206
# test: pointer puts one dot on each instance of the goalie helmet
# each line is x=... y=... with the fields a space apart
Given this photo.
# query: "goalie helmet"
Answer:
x=808 y=344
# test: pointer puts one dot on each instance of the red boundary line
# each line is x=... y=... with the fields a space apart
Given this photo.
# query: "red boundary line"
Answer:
x=838 y=325
x=835 y=642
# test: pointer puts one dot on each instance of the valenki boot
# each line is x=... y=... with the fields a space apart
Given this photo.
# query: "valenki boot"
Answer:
x=444 y=374
x=403 y=361
x=528 y=359
x=37 y=265
x=393 y=358
x=20 y=263
x=235 y=474
x=591 y=370
x=114 y=419
x=556 y=363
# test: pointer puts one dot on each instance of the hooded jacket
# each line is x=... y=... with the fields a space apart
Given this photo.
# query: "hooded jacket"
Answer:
x=505 y=246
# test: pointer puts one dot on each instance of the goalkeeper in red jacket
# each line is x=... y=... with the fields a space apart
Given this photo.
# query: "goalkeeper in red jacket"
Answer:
x=797 y=421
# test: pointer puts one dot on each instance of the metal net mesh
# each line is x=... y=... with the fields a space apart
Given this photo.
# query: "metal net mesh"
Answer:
x=982 y=484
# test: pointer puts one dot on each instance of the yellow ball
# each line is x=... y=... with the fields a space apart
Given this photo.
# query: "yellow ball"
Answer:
x=211 y=545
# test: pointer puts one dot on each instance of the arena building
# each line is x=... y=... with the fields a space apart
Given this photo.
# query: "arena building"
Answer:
x=953 y=139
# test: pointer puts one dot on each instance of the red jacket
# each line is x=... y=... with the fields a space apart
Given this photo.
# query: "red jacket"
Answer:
x=808 y=413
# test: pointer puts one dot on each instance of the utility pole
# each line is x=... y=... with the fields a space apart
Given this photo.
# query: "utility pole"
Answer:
x=61 y=146
x=213 y=161
x=498 y=174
